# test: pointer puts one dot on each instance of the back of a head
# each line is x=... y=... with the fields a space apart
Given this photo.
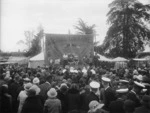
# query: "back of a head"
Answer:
x=49 y=78
x=129 y=106
x=31 y=92
x=87 y=88
x=63 y=88
x=74 y=86
x=146 y=101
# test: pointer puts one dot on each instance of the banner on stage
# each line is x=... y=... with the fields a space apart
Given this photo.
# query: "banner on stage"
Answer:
x=59 y=45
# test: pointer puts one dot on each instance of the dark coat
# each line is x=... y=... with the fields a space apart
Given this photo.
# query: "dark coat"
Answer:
x=83 y=98
x=6 y=101
x=107 y=97
x=117 y=106
x=32 y=104
x=44 y=89
x=142 y=109
x=13 y=90
x=63 y=99
x=90 y=97
x=73 y=99
x=132 y=96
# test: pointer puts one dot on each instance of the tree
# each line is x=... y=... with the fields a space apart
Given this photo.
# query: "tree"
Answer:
x=83 y=28
x=127 y=31
x=36 y=44
x=29 y=36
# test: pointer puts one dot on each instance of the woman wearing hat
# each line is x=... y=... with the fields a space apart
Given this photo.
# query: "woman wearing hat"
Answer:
x=52 y=104
x=23 y=95
x=33 y=103
x=95 y=107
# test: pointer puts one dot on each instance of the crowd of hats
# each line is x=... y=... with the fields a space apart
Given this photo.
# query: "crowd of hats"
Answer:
x=137 y=79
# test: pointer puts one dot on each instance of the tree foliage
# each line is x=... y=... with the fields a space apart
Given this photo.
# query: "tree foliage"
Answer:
x=35 y=44
x=83 y=28
x=29 y=35
x=128 y=30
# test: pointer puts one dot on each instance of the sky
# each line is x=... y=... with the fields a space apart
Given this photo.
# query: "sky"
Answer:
x=56 y=16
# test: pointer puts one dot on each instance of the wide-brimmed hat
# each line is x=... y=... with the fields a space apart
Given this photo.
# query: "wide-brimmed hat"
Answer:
x=123 y=81
x=36 y=80
x=139 y=77
x=26 y=79
x=105 y=79
x=52 y=93
x=94 y=105
x=125 y=90
x=139 y=84
x=27 y=86
x=94 y=84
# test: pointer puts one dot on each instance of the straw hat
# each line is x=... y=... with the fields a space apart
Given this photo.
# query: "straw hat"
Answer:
x=36 y=80
x=93 y=71
x=123 y=81
x=94 y=84
x=122 y=90
x=52 y=93
x=27 y=79
x=27 y=86
x=105 y=79
x=139 y=84
x=94 y=105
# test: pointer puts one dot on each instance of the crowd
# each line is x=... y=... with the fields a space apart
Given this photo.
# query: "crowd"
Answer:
x=68 y=90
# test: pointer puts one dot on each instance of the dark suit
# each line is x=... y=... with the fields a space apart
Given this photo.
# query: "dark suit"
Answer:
x=107 y=96
x=117 y=106
x=13 y=90
x=142 y=109
x=33 y=104
x=132 y=96
x=44 y=89
x=92 y=96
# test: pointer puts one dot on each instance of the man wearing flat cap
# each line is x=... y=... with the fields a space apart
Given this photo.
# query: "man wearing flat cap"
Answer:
x=134 y=93
x=107 y=93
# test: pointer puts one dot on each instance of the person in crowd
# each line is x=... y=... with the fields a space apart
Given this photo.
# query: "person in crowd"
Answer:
x=33 y=103
x=95 y=107
x=92 y=95
x=112 y=81
x=62 y=96
x=13 y=90
x=52 y=104
x=129 y=106
x=134 y=93
x=6 y=100
x=45 y=87
x=145 y=108
x=36 y=81
x=1 y=83
x=117 y=105
x=73 y=98
x=83 y=97
x=107 y=93
x=23 y=95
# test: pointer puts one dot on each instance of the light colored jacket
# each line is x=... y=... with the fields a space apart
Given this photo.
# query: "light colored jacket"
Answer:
x=52 y=105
